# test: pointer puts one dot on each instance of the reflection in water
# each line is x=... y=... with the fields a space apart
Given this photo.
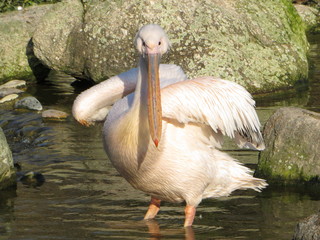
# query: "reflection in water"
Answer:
x=85 y=198
x=155 y=231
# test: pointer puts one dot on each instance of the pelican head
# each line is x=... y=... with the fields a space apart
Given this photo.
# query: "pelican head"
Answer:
x=152 y=42
x=152 y=39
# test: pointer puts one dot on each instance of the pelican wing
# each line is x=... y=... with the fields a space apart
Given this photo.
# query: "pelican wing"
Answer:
x=223 y=105
x=94 y=104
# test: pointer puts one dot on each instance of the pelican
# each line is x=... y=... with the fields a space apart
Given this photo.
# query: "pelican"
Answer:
x=163 y=132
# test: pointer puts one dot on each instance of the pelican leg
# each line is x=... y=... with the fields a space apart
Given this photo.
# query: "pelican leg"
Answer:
x=153 y=208
x=190 y=212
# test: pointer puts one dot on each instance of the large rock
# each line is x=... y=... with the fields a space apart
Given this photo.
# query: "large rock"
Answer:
x=58 y=40
x=16 y=30
x=308 y=229
x=292 y=154
x=7 y=173
x=259 y=44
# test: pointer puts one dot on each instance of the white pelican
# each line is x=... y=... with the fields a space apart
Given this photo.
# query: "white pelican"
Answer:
x=165 y=142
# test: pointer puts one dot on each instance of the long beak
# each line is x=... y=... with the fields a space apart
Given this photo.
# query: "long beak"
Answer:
x=154 y=98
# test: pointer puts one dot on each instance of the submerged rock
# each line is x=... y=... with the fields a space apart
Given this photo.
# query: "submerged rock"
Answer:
x=292 y=138
x=29 y=103
x=259 y=44
x=7 y=173
x=30 y=178
x=308 y=229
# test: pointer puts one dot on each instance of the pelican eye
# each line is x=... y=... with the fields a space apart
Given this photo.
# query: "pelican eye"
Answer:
x=159 y=43
x=143 y=43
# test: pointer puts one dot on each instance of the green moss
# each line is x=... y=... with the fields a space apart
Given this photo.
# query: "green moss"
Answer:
x=284 y=44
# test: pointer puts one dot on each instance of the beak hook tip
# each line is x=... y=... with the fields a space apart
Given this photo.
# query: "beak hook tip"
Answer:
x=156 y=142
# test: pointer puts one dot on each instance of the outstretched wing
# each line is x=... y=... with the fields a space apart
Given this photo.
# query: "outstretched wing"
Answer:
x=223 y=105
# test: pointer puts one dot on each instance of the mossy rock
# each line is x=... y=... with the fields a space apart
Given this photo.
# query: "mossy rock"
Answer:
x=261 y=45
x=16 y=30
x=292 y=154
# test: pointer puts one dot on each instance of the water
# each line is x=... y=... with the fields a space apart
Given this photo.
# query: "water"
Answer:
x=85 y=198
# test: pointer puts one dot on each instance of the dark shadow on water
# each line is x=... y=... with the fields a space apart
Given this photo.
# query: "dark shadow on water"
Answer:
x=6 y=211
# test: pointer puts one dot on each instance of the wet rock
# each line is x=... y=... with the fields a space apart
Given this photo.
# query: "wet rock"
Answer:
x=13 y=84
x=241 y=41
x=54 y=114
x=9 y=98
x=292 y=154
x=7 y=173
x=7 y=91
x=308 y=229
x=30 y=178
x=16 y=30
x=29 y=103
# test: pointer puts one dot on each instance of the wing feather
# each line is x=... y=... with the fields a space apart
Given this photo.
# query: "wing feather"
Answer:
x=223 y=105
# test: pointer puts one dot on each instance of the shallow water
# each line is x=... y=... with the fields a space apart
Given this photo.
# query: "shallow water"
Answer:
x=85 y=198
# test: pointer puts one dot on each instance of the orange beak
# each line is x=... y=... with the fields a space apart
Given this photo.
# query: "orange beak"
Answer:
x=154 y=98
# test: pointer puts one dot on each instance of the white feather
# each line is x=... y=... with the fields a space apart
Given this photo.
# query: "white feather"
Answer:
x=224 y=105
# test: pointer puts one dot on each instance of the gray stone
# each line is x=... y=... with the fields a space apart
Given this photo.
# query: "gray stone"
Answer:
x=308 y=229
x=7 y=173
x=61 y=28
x=29 y=103
x=292 y=138
x=259 y=44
